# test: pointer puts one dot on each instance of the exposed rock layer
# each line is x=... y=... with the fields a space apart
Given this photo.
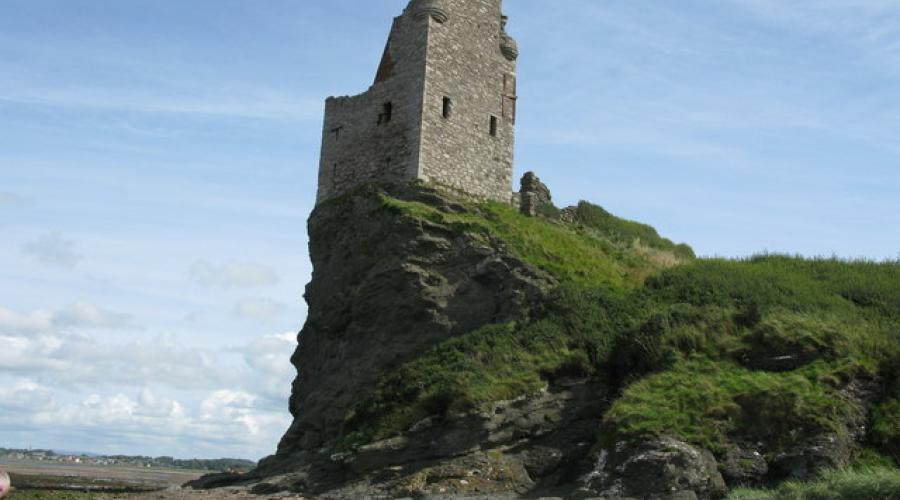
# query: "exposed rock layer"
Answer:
x=385 y=288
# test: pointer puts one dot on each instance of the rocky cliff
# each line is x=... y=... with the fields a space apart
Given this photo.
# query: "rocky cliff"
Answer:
x=456 y=349
x=387 y=286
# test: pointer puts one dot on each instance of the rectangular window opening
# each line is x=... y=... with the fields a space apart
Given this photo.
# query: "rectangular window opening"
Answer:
x=494 y=126
x=447 y=107
x=387 y=111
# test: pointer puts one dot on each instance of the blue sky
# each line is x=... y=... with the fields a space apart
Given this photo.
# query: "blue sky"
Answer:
x=158 y=162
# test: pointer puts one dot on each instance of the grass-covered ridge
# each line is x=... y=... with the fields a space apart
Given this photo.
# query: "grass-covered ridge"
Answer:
x=628 y=232
x=765 y=343
x=584 y=254
x=880 y=483
x=713 y=351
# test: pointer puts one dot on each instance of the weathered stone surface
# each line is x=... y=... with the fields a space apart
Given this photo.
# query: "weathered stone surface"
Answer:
x=431 y=8
x=441 y=110
x=663 y=468
x=743 y=465
x=515 y=447
x=217 y=480
x=814 y=453
x=508 y=45
x=385 y=288
x=813 y=456
x=533 y=194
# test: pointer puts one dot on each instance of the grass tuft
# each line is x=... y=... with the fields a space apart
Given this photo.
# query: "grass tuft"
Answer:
x=879 y=483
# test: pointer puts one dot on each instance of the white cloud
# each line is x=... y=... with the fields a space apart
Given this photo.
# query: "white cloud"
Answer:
x=117 y=410
x=75 y=360
x=25 y=397
x=86 y=314
x=269 y=358
x=35 y=346
x=35 y=321
x=225 y=421
x=53 y=249
x=261 y=309
x=148 y=394
x=79 y=315
x=252 y=103
x=233 y=406
x=232 y=274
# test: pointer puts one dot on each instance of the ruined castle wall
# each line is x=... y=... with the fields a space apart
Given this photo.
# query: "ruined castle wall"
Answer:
x=451 y=90
x=359 y=143
x=466 y=65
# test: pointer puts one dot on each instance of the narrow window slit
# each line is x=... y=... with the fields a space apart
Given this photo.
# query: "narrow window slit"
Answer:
x=494 y=126
x=387 y=111
x=447 y=107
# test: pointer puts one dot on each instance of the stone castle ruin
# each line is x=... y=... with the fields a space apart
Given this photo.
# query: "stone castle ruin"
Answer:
x=442 y=109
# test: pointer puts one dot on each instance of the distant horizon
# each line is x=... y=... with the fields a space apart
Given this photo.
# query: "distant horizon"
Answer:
x=158 y=162
x=95 y=455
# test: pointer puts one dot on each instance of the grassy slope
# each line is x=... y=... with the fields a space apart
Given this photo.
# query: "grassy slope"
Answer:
x=690 y=345
x=719 y=323
x=878 y=483
x=504 y=361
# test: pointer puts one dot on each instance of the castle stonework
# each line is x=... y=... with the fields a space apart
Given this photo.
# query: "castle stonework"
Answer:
x=442 y=109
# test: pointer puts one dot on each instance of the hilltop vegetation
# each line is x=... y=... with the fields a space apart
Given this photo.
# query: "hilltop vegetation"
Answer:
x=770 y=350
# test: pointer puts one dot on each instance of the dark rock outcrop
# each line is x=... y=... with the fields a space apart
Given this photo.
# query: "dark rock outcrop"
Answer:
x=385 y=288
x=663 y=468
x=744 y=465
x=217 y=480
x=533 y=195
x=531 y=443
x=818 y=452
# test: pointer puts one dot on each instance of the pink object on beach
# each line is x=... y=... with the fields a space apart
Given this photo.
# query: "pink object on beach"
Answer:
x=4 y=483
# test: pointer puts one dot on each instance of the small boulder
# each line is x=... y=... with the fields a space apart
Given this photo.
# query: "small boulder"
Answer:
x=812 y=456
x=216 y=480
x=660 y=468
x=744 y=466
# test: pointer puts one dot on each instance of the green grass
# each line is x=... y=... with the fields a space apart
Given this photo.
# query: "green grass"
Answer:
x=708 y=353
x=626 y=231
x=886 y=414
x=705 y=402
x=862 y=484
x=712 y=351
x=790 y=282
x=573 y=254
x=496 y=362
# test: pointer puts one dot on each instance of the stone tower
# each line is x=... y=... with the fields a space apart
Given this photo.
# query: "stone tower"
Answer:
x=442 y=108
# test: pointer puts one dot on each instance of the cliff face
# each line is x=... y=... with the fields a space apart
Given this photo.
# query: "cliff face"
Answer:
x=455 y=348
x=385 y=288
x=399 y=272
